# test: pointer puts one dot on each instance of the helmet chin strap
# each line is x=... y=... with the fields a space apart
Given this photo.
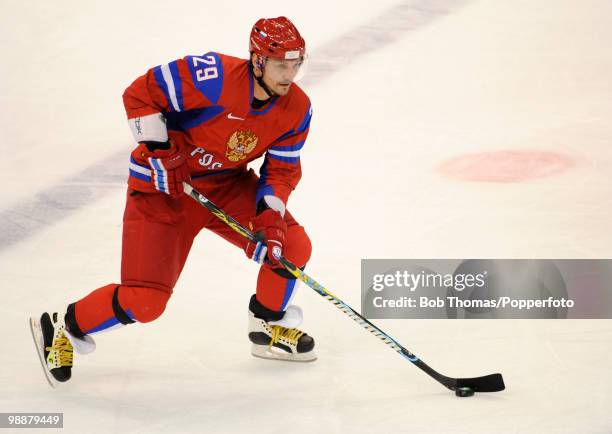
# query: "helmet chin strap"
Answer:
x=265 y=87
x=260 y=81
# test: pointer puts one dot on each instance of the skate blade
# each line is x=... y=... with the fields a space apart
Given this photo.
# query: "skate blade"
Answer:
x=265 y=352
x=39 y=343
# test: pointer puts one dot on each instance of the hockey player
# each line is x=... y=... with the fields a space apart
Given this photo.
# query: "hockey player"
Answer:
x=201 y=119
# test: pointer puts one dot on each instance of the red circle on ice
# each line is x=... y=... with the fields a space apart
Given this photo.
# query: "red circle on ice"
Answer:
x=507 y=166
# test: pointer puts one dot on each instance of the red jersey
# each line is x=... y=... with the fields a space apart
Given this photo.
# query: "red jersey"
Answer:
x=206 y=103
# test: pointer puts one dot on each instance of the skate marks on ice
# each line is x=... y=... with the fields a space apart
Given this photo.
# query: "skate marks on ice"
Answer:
x=507 y=165
x=375 y=34
x=59 y=201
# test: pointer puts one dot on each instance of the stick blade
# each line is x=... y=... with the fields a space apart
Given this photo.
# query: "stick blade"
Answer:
x=488 y=383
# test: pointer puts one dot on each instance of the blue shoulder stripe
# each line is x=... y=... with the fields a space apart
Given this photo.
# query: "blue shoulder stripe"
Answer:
x=162 y=84
x=178 y=84
x=169 y=81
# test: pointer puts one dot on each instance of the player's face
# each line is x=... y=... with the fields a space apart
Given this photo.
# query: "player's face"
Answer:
x=279 y=74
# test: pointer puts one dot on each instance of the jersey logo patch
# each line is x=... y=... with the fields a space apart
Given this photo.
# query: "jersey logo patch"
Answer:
x=231 y=116
x=240 y=144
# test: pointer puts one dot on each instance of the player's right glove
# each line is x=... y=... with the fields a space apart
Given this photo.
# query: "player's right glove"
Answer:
x=168 y=167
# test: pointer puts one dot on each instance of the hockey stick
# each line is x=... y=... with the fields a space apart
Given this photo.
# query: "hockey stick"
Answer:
x=461 y=386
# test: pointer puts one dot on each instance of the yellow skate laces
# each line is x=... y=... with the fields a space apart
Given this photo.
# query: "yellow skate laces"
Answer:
x=291 y=335
x=63 y=348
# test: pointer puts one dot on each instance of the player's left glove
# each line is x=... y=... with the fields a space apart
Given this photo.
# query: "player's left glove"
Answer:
x=270 y=230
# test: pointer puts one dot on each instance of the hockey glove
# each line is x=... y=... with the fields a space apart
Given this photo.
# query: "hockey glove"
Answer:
x=168 y=167
x=270 y=230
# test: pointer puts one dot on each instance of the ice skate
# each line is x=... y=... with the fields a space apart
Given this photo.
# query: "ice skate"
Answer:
x=55 y=346
x=274 y=334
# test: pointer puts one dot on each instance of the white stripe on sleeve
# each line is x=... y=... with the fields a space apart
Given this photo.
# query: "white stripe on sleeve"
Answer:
x=140 y=169
x=284 y=153
x=165 y=69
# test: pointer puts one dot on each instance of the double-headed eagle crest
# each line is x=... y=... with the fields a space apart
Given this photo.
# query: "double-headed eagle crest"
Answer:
x=240 y=144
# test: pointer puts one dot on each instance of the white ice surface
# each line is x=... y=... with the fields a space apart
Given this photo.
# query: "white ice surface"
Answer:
x=489 y=75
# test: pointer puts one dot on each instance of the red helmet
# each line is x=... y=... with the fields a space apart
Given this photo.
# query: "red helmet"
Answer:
x=278 y=38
